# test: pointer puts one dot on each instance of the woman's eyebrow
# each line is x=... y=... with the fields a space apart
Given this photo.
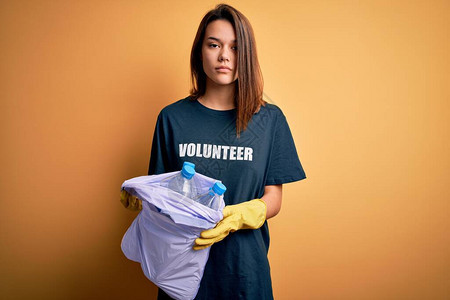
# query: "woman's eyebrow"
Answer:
x=217 y=39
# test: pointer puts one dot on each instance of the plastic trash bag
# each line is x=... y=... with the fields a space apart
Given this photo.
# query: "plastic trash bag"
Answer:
x=163 y=234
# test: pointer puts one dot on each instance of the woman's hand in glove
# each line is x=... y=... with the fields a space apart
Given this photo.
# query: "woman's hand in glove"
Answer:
x=129 y=201
x=245 y=215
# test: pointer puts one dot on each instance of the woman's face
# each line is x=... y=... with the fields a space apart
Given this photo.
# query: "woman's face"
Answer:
x=219 y=52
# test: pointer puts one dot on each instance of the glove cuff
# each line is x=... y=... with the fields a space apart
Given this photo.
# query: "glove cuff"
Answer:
x=258 y=210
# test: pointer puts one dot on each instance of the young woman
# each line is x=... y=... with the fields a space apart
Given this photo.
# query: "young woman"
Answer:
x=231 y=134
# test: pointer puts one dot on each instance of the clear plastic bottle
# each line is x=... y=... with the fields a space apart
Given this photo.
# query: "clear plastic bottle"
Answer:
x=212 y=197
x=186 y=163
x=182 y=183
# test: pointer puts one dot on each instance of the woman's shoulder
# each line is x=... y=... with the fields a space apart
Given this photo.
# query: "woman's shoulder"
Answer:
x=177 y=107
x=271 y=109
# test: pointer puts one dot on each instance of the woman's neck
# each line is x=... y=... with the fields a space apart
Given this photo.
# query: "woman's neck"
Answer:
x=218 y=97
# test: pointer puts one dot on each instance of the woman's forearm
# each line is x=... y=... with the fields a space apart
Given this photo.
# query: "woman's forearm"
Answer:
x=272 y=197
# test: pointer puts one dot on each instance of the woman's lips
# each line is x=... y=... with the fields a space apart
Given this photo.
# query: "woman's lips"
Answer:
x=223 y=70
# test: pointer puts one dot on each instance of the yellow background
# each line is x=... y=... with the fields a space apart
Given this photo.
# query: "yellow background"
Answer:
x=364 y=86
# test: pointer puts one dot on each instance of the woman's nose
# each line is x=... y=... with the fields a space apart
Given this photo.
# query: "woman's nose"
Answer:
x=224 y=55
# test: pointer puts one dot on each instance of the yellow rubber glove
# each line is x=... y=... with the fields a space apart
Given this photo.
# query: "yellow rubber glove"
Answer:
x=246 y=215
x=129 y=201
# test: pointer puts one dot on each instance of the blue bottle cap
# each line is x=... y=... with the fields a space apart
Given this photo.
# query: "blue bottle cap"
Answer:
x=187 y=172
x=192 y=165
x=219 y=188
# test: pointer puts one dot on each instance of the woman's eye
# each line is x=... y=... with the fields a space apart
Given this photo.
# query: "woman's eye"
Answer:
x=213 y=45
x=234 y=48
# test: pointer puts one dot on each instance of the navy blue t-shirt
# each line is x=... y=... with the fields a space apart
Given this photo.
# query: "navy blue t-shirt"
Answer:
x=264 y=154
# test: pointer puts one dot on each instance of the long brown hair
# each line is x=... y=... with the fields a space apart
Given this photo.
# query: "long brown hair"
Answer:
x=249 y=84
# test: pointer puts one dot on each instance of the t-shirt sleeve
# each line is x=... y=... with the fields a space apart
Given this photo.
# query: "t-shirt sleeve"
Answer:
x=284 y=165
x=158 y=156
